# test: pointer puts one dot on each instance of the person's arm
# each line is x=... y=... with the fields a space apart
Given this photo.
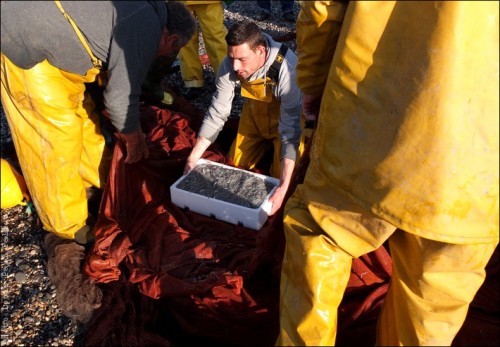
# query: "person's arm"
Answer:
x=135 y=146
x=289 y=128
x=131 y=54
x=290 y=96
x=199 y=148
x=217 y=114
x=287 y=167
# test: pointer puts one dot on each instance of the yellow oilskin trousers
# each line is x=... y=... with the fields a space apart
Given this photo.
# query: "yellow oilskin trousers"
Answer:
x=57 y=137
x=317 y=266
x=258 y=128
x=210 y=16
x=57 y=140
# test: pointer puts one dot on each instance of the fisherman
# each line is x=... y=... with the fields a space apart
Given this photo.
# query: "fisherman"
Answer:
x=405 y=152
x=271 y=114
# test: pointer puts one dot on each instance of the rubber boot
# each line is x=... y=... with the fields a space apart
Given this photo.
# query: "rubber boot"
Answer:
x=85 y=236
x=76 y=294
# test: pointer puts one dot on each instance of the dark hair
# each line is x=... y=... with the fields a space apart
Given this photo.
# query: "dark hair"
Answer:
x=245 y=32
x=180 y=21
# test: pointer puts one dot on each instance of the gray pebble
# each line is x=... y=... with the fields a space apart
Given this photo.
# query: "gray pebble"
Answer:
x=20 y=277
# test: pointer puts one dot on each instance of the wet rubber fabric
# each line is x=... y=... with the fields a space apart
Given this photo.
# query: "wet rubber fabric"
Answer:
x=411 y=148
x=310 y=298
x=210 y=17
x=432 y=285
x=317 y=263
x=57 y=141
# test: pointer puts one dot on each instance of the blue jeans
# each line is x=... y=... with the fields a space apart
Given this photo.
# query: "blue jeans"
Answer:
x=286 y=5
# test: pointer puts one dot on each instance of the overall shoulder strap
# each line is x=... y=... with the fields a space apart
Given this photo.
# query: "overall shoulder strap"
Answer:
x=95 y=61
x=274 y=70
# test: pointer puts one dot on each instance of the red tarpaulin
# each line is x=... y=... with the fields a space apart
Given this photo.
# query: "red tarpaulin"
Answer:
x=170 y=276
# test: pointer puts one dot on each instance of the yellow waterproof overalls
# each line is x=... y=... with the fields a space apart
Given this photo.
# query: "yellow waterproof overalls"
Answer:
x=57 y=138
x=258 y=127
x=210 y=16
x=407 y=137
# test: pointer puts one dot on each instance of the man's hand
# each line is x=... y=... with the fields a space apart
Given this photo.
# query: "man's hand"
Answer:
x=190 y=164
x=199 y=148
x=277 y=199
x=135 y=143
x=310 y=107
x=287 y=167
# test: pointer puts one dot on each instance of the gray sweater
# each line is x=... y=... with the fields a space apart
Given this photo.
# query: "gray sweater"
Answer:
x=285 y=90
x=124 y=35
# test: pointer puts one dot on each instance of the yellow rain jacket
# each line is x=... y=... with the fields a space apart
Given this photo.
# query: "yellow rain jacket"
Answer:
x=407 y=138
x=415 y=84
x=210 y=17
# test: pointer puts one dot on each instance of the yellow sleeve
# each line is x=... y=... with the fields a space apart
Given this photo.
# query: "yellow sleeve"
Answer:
x=318 y=28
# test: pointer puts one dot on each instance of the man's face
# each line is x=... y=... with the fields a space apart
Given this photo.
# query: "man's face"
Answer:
x=246 y=61
x=169 y=45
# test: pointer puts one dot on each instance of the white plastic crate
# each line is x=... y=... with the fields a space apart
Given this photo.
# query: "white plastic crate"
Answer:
x=253 y=218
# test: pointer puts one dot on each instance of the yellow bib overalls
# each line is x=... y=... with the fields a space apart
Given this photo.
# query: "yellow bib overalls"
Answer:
x=258 y=127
